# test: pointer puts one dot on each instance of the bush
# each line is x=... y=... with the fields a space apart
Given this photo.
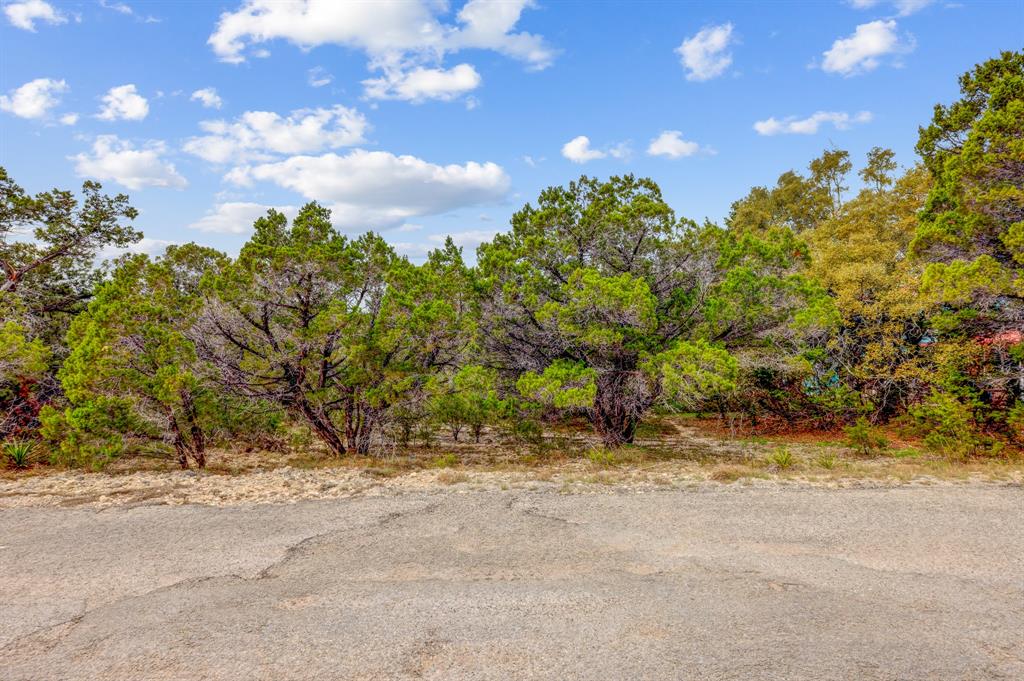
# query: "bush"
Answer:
x=781 y=458
x=19 y=453
x=948 y=425
x=601 y=456
x=445 y=461
x=865 y=439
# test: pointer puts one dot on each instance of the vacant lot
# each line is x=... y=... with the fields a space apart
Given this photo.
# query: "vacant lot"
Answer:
x=708 y=582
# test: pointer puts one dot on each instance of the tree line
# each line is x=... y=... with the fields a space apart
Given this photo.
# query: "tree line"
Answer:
x=807 y=307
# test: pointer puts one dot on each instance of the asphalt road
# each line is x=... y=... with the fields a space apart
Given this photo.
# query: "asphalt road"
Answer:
x=713 y=583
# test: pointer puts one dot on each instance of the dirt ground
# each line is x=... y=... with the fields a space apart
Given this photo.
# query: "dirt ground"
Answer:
x=670 y=453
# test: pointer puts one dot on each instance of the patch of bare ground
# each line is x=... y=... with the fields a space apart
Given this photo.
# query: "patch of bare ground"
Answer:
x=671 y=453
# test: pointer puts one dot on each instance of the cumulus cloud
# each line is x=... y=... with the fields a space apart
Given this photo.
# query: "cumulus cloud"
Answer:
x=578 y=150
x=378 y=189
x=671 y=144
x=69 y=119
x=421 y=83
x=404 y=39
x=34 y=99
x=810 y=125
x=208 y=97
x=120 y=161
x=863 y=50
x=123 y=103
x=23 y=15
x=236 y=217
x=705 y=55
x=257 y=135
x=318 y=76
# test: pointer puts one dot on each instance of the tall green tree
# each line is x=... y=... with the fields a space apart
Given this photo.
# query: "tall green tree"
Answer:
x=972 y=229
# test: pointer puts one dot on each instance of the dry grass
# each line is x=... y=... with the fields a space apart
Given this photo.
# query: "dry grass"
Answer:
x=669 y=450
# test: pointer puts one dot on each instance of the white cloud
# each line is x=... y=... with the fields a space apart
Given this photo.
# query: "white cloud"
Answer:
x=125 y=9
x=208 y=97
x=23 y=15
x=255 y=135
x=404 y=39
x=421 y=83
x=318 y=77
x=467 y=240
x=862 y=51
x=378 y=189
x=671 y=144
x=123 y=103
x=34 y=99
x=119 y=160
x=809 y=126
x=904 y=8
x=578 y=150
x=118 y=7
x=147 y=246
x=705 y=55
x=236 y=217
x=69 y=119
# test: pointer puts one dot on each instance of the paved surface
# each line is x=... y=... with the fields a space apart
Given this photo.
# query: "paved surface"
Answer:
x=715 y=583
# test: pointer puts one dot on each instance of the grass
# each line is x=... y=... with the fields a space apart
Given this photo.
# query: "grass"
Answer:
x=675 y=450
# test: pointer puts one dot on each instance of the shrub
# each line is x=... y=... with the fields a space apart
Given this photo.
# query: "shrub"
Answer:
x=19 y=453
x=948 y=425
x=601 y=456
x=827 y=461
x=781 y=458
x=863 y=438
x=445 y=461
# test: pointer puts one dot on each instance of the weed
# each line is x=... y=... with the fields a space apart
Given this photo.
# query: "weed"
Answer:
x=601 y=456
x=828 y=460
x=452 y=477
x=19 y=453
x=445 y=461
x=781 y=458
x=863 y=438
x=728 y=474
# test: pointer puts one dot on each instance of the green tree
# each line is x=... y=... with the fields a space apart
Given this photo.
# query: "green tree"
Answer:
x=972 y=229
x=587 y=300
x=132 y=375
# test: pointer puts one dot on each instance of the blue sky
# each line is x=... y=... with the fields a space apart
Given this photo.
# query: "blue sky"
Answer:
x=424 y=119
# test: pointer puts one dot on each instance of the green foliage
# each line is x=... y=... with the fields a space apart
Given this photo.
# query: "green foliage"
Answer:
x=862 y=437
x=601 y=456
x=693 y=372
x=19 y=453
x=972 y=226
x=781 y=458
x=445 y=461
x=948 y=425
x=563 y=384
x=827 y=460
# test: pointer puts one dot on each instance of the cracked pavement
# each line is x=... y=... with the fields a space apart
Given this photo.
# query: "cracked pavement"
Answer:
x=710 y=583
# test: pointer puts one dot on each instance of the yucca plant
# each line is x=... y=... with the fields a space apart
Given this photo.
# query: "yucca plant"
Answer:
x=19 y=453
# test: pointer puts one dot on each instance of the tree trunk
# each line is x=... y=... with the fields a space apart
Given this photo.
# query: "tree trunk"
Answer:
x=180 y=446
x=364 y=435
x=614 y=420
x=198 y=444
x=323 y=427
